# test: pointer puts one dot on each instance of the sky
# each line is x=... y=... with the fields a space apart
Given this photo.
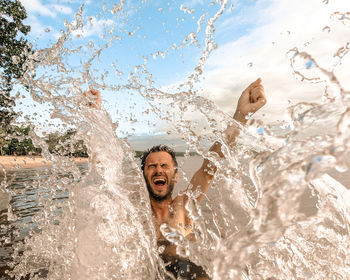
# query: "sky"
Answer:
x=164 y=42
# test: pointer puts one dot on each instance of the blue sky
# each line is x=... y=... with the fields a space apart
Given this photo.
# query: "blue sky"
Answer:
x=253 y=38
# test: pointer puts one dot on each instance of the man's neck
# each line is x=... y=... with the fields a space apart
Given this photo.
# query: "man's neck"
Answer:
x=161 y=208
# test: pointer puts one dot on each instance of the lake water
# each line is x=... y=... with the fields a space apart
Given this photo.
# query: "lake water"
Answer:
x=22 y=199
x=25 y=194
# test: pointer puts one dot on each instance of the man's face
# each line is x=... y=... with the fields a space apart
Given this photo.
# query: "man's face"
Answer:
x=160 y=175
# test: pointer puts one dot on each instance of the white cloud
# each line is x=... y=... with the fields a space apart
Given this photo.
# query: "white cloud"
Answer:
x=37 y=29
x=35 y=6
x=282 y=27
x=94 y=27
x=51 y=10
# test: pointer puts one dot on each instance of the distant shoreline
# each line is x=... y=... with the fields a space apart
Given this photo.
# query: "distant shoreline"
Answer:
x=15 y=162
x=178 y=154
x=22 y=162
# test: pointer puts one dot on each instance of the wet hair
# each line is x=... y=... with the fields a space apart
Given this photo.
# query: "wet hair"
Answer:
x=158 y=148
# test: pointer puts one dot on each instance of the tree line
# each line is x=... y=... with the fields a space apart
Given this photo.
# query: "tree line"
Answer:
x=14 y=52
x=16 y=141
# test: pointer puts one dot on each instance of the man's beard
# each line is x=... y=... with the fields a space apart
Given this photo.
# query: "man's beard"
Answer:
x=160 y=197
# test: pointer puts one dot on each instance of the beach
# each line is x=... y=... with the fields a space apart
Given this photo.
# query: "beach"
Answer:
x=14 y=162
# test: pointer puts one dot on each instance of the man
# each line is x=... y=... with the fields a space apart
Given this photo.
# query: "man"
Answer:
x=159 y=168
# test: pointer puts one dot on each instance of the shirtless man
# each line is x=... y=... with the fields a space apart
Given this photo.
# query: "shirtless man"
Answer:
x=159 y=168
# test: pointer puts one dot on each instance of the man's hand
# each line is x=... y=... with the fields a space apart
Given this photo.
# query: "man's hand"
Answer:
x=94 y=98
x=251 y=100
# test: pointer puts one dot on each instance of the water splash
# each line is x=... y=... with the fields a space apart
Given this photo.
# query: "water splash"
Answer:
x=326 y=29
x=306 y=69
x=256 y=229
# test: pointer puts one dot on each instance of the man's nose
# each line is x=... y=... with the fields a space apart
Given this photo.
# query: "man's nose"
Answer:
x=159 y=169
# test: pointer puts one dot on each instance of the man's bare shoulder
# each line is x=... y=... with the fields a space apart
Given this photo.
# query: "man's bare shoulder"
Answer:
x=179 y=201
x=179 y=208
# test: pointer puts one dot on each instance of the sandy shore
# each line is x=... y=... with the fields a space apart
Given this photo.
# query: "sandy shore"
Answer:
x=15 y=162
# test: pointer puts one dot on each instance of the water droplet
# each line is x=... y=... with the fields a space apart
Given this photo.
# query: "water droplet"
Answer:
x=260 y=130
x=307 y=273
x=341 y=167
x=309 y=64
x=161 y=249
x=326 y=29
x=292 y=53
x=15 y=59
x=198 y=70
x=317 y=159
x=259 y=168
x=343 y=17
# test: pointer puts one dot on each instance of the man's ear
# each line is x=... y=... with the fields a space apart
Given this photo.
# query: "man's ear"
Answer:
x=176 y=177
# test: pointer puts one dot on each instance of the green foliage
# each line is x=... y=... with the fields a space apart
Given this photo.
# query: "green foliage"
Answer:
x=66 y=144
x=15 y=140
x=13 y=49
x=13 y=53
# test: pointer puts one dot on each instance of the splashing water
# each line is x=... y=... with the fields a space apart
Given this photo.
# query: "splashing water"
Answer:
x=97 y=223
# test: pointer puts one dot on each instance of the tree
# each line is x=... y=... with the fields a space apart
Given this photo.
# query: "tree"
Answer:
x=13 y=54
x=66 y=144
x=19 y=143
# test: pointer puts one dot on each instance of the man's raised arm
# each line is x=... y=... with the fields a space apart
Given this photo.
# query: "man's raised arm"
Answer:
x=251 y=100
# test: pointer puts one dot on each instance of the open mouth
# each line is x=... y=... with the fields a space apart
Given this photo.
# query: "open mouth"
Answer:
x=159 y=182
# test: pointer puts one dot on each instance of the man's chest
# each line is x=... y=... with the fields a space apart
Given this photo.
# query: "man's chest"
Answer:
x=176 y=219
